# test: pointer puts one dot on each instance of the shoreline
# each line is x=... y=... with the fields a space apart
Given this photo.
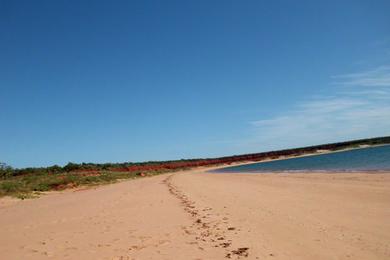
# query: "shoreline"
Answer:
x=24 y=185
x=219 y=170
x=216 y=169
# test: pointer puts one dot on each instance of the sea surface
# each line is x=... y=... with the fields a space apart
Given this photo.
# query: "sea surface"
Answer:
x=363 y=159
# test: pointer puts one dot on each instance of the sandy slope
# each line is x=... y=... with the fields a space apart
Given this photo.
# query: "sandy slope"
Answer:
x=195 y=215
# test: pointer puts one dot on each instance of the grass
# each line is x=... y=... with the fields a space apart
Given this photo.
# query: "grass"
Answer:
x=31 y=185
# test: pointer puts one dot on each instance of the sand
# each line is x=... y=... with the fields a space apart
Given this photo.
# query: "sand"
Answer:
x=198 y=215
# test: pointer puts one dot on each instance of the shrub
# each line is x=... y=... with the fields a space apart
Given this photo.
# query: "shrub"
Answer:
x=71 y=167
x=54 y=169
x=9 y=186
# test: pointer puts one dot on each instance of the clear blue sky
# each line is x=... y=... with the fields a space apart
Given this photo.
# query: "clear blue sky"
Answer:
x=114 y=81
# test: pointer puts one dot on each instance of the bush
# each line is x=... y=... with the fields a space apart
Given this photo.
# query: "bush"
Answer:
x=54 y=169
x=71 y=167
x=41 y=187
x=9 y=187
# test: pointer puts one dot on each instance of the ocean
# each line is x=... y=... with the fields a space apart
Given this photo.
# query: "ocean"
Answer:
x=363 y=159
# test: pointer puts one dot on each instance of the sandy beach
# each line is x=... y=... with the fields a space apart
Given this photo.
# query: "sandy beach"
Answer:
x=200 y=215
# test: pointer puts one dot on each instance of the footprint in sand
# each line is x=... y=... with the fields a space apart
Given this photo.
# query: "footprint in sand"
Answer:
x=121 y=258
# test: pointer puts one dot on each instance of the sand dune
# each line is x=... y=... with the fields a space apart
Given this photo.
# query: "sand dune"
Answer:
x=197 y=215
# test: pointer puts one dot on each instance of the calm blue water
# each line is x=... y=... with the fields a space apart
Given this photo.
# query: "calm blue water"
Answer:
x=365 y=159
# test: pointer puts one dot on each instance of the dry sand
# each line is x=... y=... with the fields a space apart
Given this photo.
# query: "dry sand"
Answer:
x=197 y=215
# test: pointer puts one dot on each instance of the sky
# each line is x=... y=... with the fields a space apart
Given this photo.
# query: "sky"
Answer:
x=119 y=81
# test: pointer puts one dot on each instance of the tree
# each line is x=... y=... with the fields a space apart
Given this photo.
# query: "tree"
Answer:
x=71 y=167
x=5 y=170
x=54 y=169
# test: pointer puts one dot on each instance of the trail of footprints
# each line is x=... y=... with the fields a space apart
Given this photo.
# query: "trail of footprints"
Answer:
x=207 y=228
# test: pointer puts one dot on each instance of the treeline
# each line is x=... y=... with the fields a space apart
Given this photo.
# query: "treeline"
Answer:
x=156 y=166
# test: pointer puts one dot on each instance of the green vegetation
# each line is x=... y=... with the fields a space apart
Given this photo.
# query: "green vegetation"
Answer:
x=30 y=185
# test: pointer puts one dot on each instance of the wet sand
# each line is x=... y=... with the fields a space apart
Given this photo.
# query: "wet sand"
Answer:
x=198 y=215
